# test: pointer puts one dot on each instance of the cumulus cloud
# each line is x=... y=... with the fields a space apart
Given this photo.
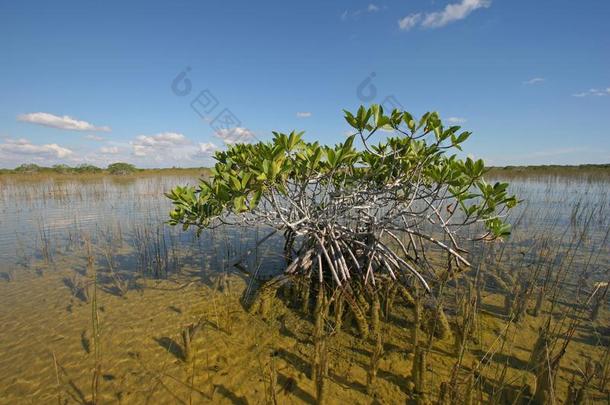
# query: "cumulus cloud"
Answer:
x=235 y=135
x=207 y=147
x=109 y=150
x=60 y=122
x=147 y=145
x=456 y=120
x=23 y=147
x=593 y=92
x=535 y=80
x=162 y=139
x=452 y=12
x=170 y=149
x=204 y=150
x=303 y=114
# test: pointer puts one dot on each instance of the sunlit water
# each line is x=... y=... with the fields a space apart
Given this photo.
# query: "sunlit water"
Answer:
x=57 y=212
x=43 y=228
x=39 y=219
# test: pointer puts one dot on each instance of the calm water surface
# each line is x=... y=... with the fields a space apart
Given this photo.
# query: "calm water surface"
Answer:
x=56 y=212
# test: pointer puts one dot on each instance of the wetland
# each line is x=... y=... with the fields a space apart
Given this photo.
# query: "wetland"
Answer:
x=101 y=301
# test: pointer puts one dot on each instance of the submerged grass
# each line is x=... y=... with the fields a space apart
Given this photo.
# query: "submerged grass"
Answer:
x=528 y=323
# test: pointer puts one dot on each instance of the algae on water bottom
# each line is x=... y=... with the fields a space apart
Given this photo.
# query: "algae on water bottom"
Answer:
x=234 y=356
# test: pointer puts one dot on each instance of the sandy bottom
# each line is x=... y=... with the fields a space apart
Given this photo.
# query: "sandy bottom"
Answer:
x=47 y=353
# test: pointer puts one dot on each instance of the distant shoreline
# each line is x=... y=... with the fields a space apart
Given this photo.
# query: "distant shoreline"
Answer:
x=529 y=170
x=92 y=171
x=605 y=166
x=586 y=171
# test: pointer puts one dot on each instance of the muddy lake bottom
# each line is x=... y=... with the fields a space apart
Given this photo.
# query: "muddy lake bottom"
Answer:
x=50 y=352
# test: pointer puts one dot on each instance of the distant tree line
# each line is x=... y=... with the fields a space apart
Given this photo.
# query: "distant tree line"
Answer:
x=590 y=171
x=118 y=168
x=550 y=167
x=121 y=168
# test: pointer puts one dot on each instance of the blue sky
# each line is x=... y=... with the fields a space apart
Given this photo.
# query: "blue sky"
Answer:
x=92 y=82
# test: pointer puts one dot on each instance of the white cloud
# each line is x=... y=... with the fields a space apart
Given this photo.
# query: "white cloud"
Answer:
x=207 y=147
x=109 y=150
x=23 y=147
x=170 y=149
x=372 y=8
x=456 y=120
x=93 y=137
x=152 y=151
x=235 y=135
x=303 y=114
x=164 y=149
x=63 y=122
x=153 y=145
x=535 y=80
x=409 y=21
x=451 y=12
x=594 y=92
x=162 y=139
x=204 y=150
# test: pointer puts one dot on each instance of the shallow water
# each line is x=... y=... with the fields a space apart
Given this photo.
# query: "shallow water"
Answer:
x=61 y=209
x=171 y=278
x=43 y=218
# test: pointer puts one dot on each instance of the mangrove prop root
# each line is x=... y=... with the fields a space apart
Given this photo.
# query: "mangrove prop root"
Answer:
x=375 y=358
x=361 y=322
x=405 y=295
x=389 y=300
x=319 y=366
x=417 y=322
x=539 y=301
x=305 y=295
x=443 y=396
x=321 y=388
x=263 y=299
x=375 y=310
x=186 y=344
x=361 y=300
x=435 y=321
x=418 y=374
x=187 y=334
x=538 y=355
x=339 y=309
x=545 y=381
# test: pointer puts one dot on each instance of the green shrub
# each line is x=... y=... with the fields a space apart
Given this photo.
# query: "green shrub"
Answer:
x=121 y=168
x=86 y=168
x=345 y=205
x=28 y=168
